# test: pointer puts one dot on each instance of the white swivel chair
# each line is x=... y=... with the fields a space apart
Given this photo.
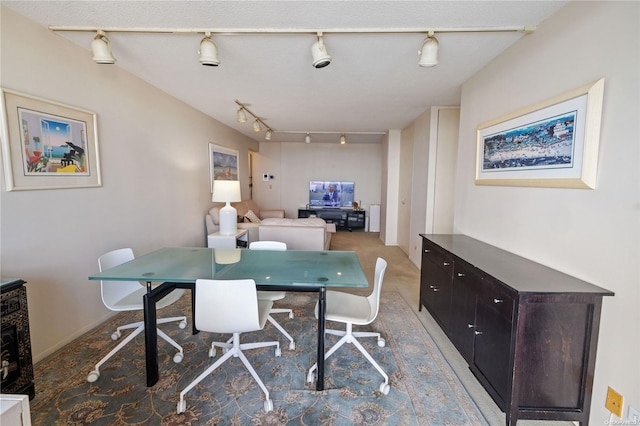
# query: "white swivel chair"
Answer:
x=230 y=306
x=360 y=310
x=274 y=295
x=127 y=296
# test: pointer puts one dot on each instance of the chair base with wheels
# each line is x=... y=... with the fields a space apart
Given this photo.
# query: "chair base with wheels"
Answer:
x=273 y=296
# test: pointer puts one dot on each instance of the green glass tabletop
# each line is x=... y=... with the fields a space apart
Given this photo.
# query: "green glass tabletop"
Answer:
x=265 y=267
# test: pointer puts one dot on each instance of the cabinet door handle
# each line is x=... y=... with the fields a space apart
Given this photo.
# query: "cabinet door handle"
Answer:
x=460 y=274
x=432 y=287
x=496 y=301
x=470 y=325
x=427 y=251
x=446 y=263
x=477 y=333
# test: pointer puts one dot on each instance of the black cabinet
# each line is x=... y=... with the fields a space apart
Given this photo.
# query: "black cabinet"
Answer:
x=529 y=333
x=16 y=369
x=343 y=219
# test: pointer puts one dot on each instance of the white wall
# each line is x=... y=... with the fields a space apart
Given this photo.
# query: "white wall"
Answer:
x=591 y=234
x=295 y=164
x=155 y=171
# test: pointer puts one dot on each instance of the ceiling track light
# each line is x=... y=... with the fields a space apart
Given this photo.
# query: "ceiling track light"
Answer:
x=208 y=51
x=101 y=48
x=319 y=52
x=429 y=52
x=343 y=139
x=307 y=139
x=242 y=115
x=258 y=123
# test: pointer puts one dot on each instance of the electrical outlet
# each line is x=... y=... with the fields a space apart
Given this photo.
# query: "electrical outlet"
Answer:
x=614 y=402
x=633 y=416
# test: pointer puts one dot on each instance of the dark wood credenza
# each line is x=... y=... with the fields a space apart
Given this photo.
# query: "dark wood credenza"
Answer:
x=528 y=332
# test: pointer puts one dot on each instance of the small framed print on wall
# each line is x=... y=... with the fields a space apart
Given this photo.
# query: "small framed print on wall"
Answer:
x=48 y=145
x=550 y=144
x=223 y=164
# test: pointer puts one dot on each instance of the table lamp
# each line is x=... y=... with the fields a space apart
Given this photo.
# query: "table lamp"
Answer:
x=227 y=191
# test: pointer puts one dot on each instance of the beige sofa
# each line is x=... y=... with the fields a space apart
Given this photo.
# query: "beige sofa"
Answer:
x=299 y=234
x=212 y=218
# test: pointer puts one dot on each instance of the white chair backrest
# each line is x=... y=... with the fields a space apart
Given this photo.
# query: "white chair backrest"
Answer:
x=226 y=306
x=374 y=297
x=268 y=245
x=114 y=291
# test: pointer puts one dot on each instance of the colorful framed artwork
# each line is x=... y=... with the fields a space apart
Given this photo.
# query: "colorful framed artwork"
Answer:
x=48 y=145
x=223 y=164
x=550 y=144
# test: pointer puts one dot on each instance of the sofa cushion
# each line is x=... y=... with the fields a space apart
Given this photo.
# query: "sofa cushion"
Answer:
x=252 y=217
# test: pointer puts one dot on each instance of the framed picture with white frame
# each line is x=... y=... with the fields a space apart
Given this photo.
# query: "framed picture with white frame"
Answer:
x=550 y=144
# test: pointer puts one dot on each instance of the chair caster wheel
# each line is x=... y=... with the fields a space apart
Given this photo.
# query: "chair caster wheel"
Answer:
x=384 y=388
x=381 y=342
x=116 y=335
x=311 y=377
x=182 y=406
x=268 y=405
x=292 y=346
x=177 y=358
x=278 y=352
x=182 y=324
x=93 y=376
x=212 y=352
x=290 y=315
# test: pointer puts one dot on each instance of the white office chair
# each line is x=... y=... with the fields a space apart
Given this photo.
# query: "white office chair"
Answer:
x=127 y=296
x=230 y=306
x=353 y=309
x=274 y=295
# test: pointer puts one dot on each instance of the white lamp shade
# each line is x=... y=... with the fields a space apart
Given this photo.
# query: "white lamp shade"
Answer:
x=227 y=191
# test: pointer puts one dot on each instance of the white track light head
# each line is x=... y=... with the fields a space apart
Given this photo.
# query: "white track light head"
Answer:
x=208 y=52
x=429 y=52
x=319 y=52
x=101 y=48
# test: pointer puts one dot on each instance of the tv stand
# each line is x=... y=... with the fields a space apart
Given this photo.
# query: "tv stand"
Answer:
x=344 y=219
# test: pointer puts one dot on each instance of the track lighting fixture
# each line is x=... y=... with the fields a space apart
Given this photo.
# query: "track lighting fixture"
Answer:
x=429 y=52
x=319 y=52
x=307 y=139
x=208 y=51
x=343 y=139
x=242 y=116
x=101 y=48
x=258 y=123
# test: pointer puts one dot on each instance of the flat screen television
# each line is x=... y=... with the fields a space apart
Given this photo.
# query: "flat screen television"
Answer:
x=335 y=194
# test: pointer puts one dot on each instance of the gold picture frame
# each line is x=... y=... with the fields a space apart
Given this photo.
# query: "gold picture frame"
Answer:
x=550 y=144
x=48 y=145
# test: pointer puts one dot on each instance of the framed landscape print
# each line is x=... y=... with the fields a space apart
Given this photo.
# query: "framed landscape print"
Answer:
x=223 y=164
x=48 y=145
x=550 y=144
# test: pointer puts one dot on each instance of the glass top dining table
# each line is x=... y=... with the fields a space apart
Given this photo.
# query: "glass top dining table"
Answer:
x=290 y=270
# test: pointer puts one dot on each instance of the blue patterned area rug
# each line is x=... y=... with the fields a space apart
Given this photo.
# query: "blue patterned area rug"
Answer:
x=424 y=389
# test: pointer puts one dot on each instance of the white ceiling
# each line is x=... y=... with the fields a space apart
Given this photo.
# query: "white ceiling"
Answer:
x=372 y=84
